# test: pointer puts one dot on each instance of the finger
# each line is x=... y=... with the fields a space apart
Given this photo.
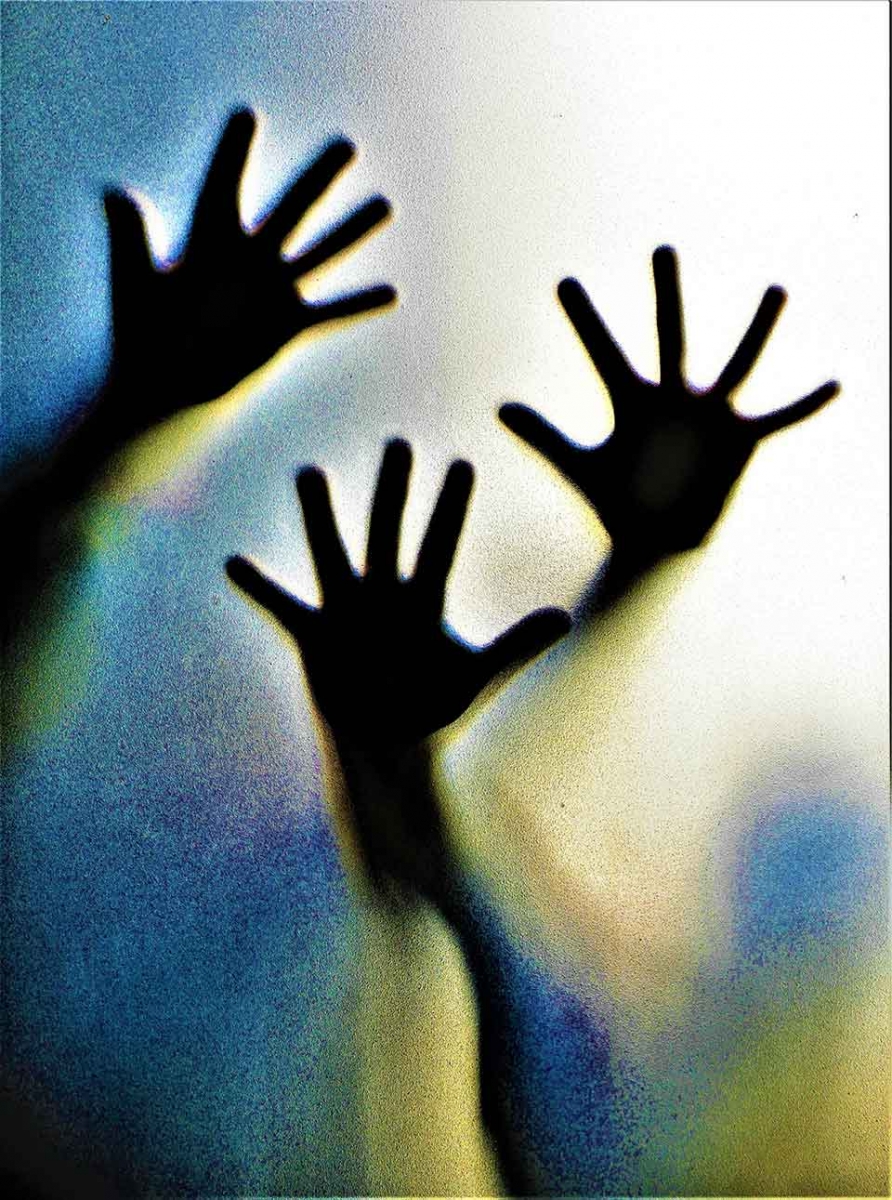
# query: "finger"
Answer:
x=387 y=510
x=742 y=360
x=523 y=642
x=332 y=564
x=217 y=207
x=543 y=437
x=287 y=609
x=670 y=330
x=347 y=234
x=610 y=362
x=440 y=542
x=382 y=296
x=129 y=251
x=784 y=417
x=306 y=190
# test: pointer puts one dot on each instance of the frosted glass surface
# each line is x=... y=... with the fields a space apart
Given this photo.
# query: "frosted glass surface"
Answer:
x=678 y=816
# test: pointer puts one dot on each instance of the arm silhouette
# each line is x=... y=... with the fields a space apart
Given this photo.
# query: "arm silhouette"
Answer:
x=188 y=332
x=386 y=674
x=659 y=483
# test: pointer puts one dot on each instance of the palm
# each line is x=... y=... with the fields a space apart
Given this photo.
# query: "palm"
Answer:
x=191 y=332
x=661 y=480
x=664 y=475
x=377 y=665
x=384 y=669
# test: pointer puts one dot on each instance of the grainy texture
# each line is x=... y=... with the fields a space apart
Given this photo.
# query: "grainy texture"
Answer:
x=676 y=822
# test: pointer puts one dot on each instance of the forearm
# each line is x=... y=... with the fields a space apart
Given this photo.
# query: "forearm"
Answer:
x=628 y=592
x=465 y=911
x=390 y=796
x=624 y=568
x=417 y=1038
x=40 y=513
x=42 y=501
x=114 y=416
x=412 y=865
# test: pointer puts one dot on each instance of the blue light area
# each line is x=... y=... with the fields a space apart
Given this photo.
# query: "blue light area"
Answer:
x=578 y=1112
x=129 y=94
x=181 y=935
x=178 y=910
x=178 y=985
x=810 y=868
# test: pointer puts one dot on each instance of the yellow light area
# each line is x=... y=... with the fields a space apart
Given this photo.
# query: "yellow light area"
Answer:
x=50 y=663
x=777 y=1126
x=417 y=1041
x=167 y=453
x=51 y=657
x=594 y=849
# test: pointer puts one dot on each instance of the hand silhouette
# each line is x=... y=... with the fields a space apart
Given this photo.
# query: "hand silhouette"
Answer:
x=382 y=666
x=661 y=479
x=190 y=332
x=182 y=335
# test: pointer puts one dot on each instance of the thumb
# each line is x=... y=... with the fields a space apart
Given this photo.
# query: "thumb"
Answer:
x=523 y=642
x=793 y=413
x=290 y=612
x=129 y=250
x=542 y=436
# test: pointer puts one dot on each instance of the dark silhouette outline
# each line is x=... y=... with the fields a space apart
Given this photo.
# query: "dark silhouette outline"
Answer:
x=384 y=670
x=230 y=303
x=183 y=334
x=659 y=483
x=386 y=674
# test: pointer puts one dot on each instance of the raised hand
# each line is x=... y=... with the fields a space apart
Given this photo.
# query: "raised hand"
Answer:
x=384 y=669
x=661 y=480
x=190 y=332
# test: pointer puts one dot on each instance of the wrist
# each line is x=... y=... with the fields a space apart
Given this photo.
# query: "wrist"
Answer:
x=105 y=426
x=632 y=559
x=396 y=817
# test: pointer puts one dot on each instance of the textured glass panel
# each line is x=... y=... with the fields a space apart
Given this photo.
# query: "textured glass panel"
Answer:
x=675 y=821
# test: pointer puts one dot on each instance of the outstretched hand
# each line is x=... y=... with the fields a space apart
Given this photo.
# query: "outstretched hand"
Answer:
x=661 y=480
x=383 y=668
x=190 y=332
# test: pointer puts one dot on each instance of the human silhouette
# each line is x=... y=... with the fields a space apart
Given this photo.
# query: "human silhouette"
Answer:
x=385 y=671
x=386 y=674
x=183 y=334
x=661 y=480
